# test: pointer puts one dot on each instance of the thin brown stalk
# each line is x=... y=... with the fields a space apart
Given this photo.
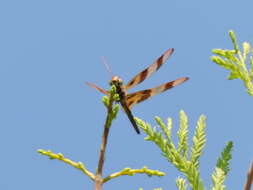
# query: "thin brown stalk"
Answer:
x=99 y=173
x=249 y=178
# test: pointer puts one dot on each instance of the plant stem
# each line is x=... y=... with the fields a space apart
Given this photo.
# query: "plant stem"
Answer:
x=249 y=178
x=99 y=174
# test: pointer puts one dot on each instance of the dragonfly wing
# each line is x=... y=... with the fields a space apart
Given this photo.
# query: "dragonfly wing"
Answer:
x=130 y=115
x=142 y=95
x=148 y=71
x=98 y=88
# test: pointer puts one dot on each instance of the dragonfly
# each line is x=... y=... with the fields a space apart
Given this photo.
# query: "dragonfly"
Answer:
x=126 y=100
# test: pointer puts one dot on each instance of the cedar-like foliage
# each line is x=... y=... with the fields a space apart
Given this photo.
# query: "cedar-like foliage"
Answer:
x=238 y=62
x=185 y=157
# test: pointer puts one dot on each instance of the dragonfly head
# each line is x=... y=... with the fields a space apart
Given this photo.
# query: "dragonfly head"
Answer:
x=116 y=81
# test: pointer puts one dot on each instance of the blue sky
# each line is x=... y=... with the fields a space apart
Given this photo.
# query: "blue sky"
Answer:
x=50 y=48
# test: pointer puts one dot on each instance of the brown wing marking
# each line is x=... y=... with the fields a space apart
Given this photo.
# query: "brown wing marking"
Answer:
x=142 y=95
x=130 y=115
x=98 y=88
x=149 y=70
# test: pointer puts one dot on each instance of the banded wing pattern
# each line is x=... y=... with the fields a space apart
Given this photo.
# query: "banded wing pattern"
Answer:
x=127 y=101
x=150 y=70
x=142 y=95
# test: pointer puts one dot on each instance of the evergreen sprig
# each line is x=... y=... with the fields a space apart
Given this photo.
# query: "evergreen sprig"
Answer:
x=181 y=183
x=187 y=163
x=131 y=172
x=183 y=135
x=222 y=167
x=225 y=157
x=59 y=156
x=199 y=140
x=218 y=178
x=178 y=156
x=239 y=63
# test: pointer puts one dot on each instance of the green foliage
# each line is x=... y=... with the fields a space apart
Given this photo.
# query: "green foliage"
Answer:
x=223 y=160
x=181 y=183
x=239 y=63
x=183 y=135
x=199 y=140
x=218 y=179
x=222 y=167
x=80 y=166
x=131 y=172
x=59 y=156
x=112 y=108
x=187 y=162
